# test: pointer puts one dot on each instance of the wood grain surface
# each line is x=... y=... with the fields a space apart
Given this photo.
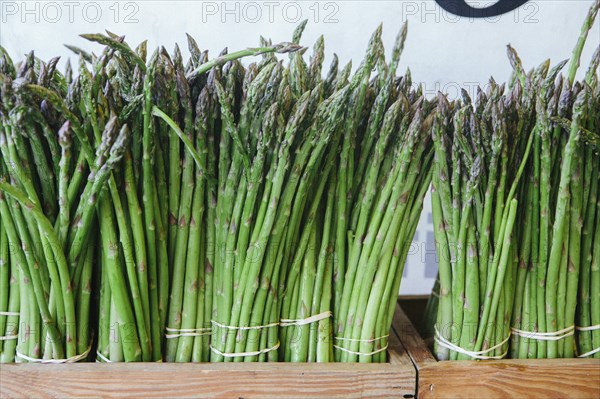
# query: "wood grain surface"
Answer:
x=395 y=379
x=518 y=378
x=511 y=378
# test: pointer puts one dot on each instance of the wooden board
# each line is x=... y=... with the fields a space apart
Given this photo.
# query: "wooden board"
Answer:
x=543 y=378
x=395 y=379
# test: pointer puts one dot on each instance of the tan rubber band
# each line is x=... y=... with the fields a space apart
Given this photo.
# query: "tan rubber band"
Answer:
x=281 y=323
x=590 y=353
x=589 y=328
x=197 y=334
x=10 y=314
x=361 y=353
x=216 y=323
x=481 y=355
x=361 y=340
x=103 y=359
x=244 y=354
x=545 y=336
x=308 y=320
x=73 y=359
x=187 y=332
x=187 y=329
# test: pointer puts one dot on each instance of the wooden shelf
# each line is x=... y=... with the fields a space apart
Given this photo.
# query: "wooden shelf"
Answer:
x=514 y=378
x=395 y=379
x=411 y=371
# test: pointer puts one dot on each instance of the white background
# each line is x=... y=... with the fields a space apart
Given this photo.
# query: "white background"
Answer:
x=444 y=52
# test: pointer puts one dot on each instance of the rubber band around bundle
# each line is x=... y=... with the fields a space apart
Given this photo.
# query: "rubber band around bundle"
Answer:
x=244 y=354
x=10 y=314
x=216 y=323
x=361 y=353
x=480 y=355
x=588 y=328
x=308 y=320
x=103 y=359
x=73 y=359
x=361 y=340
x=187 y=332
x=590 y=353
x=9 y=337
x=545 y=336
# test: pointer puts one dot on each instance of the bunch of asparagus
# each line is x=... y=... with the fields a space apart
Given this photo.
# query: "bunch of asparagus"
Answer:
x=528 y=156
x=207 y=211
x=385 y=172
x=370 y=212
x=556 y=251
x=9 y=299
x=588 y=306
x=474 y=210
x=79 y=164
x=556 y=255
x=587 y=317
x=274 y=152
x=46 y=213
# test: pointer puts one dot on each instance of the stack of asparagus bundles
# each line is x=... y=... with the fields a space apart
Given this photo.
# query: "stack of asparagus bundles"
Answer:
x=207 y=210
x=515 y=216
x=81 y=163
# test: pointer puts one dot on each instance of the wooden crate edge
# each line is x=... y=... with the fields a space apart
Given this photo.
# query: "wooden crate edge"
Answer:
x=543 y=378
x=397 y=378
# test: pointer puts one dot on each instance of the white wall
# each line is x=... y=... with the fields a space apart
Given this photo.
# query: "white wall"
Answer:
x=444 y=52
